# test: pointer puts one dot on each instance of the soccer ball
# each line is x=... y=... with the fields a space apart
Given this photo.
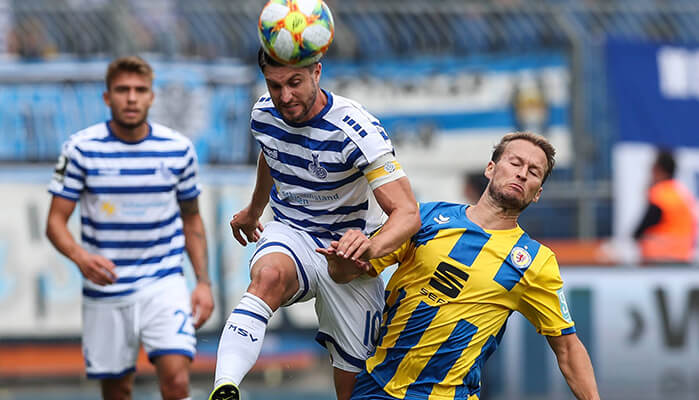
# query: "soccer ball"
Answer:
x=296 y=32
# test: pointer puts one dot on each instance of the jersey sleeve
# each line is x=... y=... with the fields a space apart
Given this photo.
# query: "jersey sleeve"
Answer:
x=188 y=183
x=544 y=304
x=69 y=174
x=382 y=171
x=396 y=256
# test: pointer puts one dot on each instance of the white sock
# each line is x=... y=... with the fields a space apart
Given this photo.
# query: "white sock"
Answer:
x=241 y=339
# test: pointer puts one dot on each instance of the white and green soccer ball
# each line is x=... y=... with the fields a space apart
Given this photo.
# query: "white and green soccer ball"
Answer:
x=296 y=32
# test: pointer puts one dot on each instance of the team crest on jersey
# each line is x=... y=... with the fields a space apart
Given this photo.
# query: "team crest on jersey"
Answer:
x=316 y=169
x=389 y=167
x=520 y=257
x=164 y=171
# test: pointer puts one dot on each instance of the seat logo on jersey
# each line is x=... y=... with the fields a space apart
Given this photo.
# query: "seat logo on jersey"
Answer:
x=316 y=169
x=448 y=280
x=441 y=219
x=520 y=257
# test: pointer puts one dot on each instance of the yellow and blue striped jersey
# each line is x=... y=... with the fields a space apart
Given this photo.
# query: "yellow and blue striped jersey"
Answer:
x=449 y=300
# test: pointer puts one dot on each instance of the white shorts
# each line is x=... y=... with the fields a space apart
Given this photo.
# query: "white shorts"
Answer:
x=349 y=314
x=159 y=317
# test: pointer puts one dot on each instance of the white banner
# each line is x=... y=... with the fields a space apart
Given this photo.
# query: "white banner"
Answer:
x=40 y=290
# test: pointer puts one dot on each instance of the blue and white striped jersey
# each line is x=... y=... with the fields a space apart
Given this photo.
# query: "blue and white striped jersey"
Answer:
x=129 y=195
x=319 y=166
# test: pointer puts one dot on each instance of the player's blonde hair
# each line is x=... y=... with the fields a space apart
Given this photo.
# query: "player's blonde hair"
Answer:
x=538 y=140
x=133 y=64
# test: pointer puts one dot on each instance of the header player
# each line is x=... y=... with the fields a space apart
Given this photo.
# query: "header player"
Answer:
x=322 y=157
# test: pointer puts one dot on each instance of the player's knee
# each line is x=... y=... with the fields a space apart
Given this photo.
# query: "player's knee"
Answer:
x=270 y=279
x=116 y=389
x=175 y=386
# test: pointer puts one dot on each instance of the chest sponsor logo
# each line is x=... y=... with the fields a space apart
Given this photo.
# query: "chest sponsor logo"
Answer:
x=108 y=171
x=108 y=207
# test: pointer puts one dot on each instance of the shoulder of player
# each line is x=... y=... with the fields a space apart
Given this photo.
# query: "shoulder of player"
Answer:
x=439 y=213
x=544 y=253
x=89 y=134
x=163 y=132
x=263 y=102
x=160 y=130
x=352 y=118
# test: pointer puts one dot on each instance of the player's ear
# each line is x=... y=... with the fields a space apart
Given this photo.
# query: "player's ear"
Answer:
x=317 y=72
x=538 y=194
x=105 y=97
x=489 y=170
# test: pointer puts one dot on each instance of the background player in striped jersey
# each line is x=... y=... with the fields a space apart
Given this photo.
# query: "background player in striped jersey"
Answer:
x=460 y=277
x=137 y=184
x=321 y=157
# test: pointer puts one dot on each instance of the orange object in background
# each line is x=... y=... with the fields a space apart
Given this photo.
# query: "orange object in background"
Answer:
x=65 y=360
x=594 y=252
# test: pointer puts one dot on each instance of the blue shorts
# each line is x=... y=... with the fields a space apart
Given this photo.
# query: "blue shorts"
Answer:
x=366 y=388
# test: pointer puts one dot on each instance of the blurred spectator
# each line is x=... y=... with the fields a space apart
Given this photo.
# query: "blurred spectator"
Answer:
x=668 y=231
x=474 y=184
x=30 y=40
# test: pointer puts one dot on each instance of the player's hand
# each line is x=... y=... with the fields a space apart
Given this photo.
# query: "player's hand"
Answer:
x=340 y=269
x=96 y=268
x=335 y=261
x=247 y=223
x=353 y=245
x=202 y=304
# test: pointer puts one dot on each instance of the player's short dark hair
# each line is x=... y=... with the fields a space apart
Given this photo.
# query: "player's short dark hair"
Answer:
x=538 y=140
x=133 y=64
x=264 y=59
x=665 y=160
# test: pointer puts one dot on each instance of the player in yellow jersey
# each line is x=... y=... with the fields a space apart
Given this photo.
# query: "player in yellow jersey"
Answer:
x=459 y=279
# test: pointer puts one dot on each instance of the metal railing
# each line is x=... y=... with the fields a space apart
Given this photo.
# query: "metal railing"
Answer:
x=218 y=30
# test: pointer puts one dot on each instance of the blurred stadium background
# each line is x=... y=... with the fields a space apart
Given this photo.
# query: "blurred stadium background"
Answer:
x=607 y=81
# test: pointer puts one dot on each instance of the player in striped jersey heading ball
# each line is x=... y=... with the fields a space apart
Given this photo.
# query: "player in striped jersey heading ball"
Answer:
x=137 y=183
x=459 y=279
x=323 y=157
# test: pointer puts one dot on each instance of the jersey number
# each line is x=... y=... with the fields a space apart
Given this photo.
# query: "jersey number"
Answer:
x=445 y=279
x=371 y=327
x=185 y=317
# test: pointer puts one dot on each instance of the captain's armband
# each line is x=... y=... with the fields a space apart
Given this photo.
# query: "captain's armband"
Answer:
x=383 y=170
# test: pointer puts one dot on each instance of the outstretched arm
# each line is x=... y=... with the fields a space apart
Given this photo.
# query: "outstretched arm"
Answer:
x=247 y=221
x=575 y=365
